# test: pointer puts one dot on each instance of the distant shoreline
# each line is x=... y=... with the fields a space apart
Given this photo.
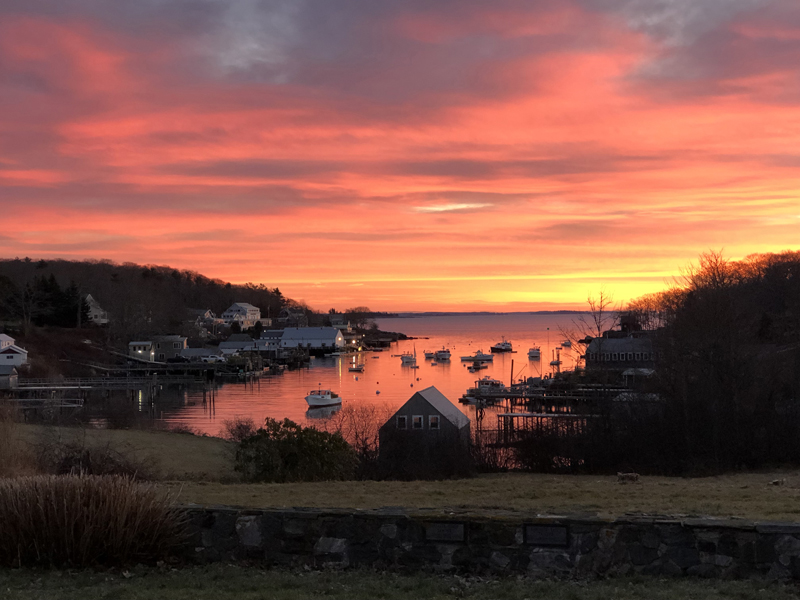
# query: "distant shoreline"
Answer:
x=411 y=315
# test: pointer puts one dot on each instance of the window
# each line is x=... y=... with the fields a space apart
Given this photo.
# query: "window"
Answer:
x=176 y=345
x=630 y=355
x=416 y=422
x=638 y=356
x=433 y=422
x=615 y=356
x=402 y=422
x=161 y=356
x=158 y=346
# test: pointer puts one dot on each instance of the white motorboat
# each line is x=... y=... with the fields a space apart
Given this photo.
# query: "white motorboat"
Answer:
x=443 y=354
x=359 y=368
x=566 y=344
x=503 y=346
x=429 y=355
x=318 y=398
x=479 y=356
x=406 y=358
x=535 y=353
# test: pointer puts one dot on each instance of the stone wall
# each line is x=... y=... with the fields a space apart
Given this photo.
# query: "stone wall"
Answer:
x=501 y=543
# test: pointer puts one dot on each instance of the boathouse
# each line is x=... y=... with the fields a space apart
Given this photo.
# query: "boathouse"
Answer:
x=428 y=437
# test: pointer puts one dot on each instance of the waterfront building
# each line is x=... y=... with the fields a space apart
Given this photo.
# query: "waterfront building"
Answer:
x=312 y=338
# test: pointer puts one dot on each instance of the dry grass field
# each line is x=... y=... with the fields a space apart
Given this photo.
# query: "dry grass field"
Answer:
x=747 y=496
x=172 y=456
x=199 y=470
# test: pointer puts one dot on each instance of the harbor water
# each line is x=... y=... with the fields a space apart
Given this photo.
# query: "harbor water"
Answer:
x=384 y=381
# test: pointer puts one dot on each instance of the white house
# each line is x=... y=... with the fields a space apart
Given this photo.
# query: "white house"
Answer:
x=10 y=353
x=312 y=338
x=245 y=314
x=97 y=315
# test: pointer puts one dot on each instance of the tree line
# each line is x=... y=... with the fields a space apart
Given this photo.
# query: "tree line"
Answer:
x=140 y=299
x=728 y=334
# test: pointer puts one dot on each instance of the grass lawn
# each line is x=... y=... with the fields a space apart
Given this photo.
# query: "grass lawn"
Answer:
x=224 y=582
x=200 y=470
x=746 y=495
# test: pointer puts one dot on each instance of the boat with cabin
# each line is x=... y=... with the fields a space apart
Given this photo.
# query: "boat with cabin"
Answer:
x=535 y=353
x=429 y=355
x=503 y=346
x=479 y=356
x=443 y=354
x=322 y=397
x=566 y=344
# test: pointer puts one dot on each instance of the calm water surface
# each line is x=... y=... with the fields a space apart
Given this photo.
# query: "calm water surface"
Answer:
x=283 y=396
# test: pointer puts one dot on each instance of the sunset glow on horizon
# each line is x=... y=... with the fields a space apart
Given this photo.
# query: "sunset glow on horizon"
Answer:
x=444 y=155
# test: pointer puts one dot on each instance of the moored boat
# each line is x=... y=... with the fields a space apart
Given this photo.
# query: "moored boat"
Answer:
x=535 y=353
x=429 y=354
x=503 y=346
x=489 y=384
x=479 y=356
x=321 y=397
x=408 y=359
x=443 y=354
x=358 y=368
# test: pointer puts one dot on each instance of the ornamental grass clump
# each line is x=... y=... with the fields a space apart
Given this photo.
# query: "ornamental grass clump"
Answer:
x=81 y=521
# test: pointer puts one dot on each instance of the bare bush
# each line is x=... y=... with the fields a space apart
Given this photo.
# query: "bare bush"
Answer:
x=79 y=458
x=360 y=426
x=85 y=521
x=15 y=458
x=238 y=428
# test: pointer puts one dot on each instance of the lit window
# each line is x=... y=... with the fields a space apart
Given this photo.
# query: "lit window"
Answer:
x=433 y=422
x=416 y=422
x=402 y=422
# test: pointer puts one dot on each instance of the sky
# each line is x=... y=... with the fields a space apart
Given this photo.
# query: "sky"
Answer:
x=414 y=155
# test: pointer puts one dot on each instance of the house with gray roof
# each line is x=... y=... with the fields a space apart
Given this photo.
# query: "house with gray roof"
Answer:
x=427 y=437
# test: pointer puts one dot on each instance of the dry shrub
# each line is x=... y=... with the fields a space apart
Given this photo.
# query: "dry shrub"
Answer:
x=79 y=458
x=81 y=521
x=238 y=429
